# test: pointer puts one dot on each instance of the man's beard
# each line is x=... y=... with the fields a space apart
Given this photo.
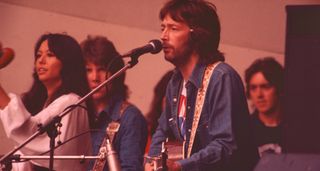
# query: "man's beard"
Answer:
x=181 y=57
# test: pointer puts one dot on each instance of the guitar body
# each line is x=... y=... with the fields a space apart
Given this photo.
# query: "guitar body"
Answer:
x=172 y=150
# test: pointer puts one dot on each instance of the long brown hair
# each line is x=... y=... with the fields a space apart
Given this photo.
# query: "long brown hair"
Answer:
x=101 y=51
x=73 y=73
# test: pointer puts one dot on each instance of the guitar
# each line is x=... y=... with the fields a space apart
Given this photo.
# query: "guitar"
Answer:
x=171 y=150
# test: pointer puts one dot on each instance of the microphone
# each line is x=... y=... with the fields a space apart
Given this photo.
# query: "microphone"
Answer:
x=112 y=157
x=6 y=56
x=154 y=46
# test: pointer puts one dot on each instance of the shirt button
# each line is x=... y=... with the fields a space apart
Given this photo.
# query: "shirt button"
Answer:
x=189 y=107
x=189 y=130
x=174 y=99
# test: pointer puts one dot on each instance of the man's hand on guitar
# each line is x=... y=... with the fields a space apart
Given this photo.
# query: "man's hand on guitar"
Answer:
x=173 y=165
x=148 y=167
x=154 y=165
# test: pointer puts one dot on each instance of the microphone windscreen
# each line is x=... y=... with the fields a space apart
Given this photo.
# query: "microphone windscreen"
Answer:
x=157 y=44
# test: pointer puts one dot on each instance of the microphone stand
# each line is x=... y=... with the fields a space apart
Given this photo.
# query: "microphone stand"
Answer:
x=51 y=127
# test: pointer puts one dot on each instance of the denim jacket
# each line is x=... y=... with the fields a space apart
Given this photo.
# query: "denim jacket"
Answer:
x=223 y=133
x=131 y=139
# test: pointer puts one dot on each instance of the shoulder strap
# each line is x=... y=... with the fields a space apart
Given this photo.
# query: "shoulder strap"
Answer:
x=113 y=126
x=199 y=104
x=111 y=131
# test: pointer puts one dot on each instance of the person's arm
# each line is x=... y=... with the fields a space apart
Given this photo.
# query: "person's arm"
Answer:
x=20 y=125
x=132 y=137
x=4 y=98
x=159 y=136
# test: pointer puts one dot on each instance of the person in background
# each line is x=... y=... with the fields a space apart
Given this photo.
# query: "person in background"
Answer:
x=213 y=126
x=59 y=81
x=264 y=81
x=111 y=105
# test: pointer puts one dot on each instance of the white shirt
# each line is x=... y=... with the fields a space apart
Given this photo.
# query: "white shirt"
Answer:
x=182 y=110
x=20 y=125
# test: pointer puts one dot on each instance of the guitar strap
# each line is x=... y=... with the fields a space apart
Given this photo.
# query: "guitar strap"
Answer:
x=199 y=104
x=111 y=131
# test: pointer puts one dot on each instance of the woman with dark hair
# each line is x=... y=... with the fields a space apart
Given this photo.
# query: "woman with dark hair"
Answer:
x=111 y=106
x=59 y=82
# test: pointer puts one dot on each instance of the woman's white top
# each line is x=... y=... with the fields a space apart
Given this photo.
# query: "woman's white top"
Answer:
x=19 y=125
